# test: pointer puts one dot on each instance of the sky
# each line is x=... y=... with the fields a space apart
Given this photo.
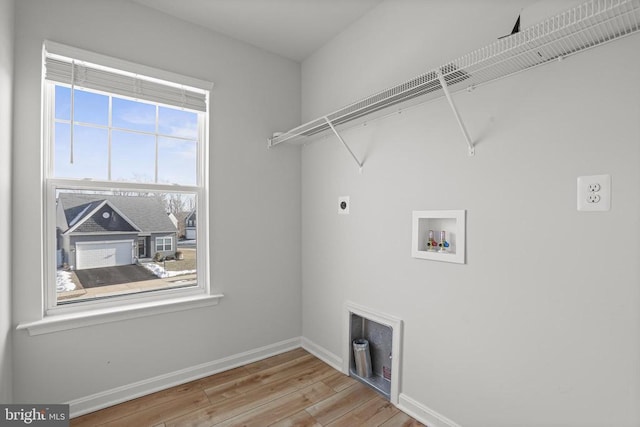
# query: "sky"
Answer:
x=133 y=143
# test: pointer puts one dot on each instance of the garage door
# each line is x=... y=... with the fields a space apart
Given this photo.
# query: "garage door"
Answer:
x=103 y=254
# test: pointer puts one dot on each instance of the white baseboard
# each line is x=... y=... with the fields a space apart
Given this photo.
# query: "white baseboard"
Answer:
x=117 y=395
x=323 y=354
x=423 y=414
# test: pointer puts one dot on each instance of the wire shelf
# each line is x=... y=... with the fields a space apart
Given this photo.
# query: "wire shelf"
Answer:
x=585 y=26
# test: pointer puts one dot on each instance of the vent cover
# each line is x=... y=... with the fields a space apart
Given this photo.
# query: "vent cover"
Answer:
x=585 y=26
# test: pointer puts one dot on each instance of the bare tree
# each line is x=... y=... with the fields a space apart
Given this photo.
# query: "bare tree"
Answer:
x=174 y=203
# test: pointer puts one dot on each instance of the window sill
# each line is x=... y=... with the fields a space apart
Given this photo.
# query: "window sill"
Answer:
x=63 y=322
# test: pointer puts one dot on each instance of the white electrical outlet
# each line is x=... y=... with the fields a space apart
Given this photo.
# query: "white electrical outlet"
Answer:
x=343 y=205
x=594 y=187
x=594 y=193
x=593 y=198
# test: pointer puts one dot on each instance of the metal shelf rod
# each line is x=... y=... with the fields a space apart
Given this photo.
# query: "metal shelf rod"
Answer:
x=445 y=89
x=360 y=164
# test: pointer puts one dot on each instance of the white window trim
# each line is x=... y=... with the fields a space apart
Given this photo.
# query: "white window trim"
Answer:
x=98 y=316
x=84 y=313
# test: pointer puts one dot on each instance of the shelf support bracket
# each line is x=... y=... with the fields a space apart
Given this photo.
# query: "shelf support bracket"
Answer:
x=360 y=164
x=445 y=89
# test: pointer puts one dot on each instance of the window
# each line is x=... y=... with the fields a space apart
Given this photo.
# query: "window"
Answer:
x=125 y=163
x=164 y=244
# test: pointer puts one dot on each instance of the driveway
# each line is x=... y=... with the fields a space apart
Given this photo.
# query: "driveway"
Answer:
x=105 y=276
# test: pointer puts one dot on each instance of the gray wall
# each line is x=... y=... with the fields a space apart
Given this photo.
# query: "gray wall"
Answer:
x=541 y=326
x=255 y=215
x=6 y=76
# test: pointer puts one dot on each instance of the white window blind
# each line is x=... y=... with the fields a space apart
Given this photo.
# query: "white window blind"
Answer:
x=83 y=74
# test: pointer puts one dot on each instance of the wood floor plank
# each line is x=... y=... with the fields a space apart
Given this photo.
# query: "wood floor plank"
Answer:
x=281 y=408
x=157 y=414
x=220 y=411
x=339 y=381
x=222 y=378
x=132 y=406
x=371 y=414
x=276 y=360
x=299 y=419
x=402 y=420
x=244 y=384
x=318 y=373
x=341 y=403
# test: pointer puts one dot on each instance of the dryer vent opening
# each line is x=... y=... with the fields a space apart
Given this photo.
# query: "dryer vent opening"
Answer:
x=373 y=350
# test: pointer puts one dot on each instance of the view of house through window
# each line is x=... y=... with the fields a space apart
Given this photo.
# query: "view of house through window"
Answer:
x=124 y=177
x=115 y=243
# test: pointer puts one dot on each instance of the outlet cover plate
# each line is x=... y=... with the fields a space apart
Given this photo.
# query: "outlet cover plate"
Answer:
x=586 y=196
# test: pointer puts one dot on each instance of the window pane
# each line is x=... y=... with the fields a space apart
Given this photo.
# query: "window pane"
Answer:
x=63 y=103
x=178 y=123
x=90 y=107
x=122 y=242
x=90 y=152
x=176 y=161
x=133 y=115
x=133 y=157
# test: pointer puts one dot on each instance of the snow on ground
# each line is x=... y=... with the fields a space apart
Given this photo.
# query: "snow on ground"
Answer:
x=160 y=272
x=186 y=242
x=64 y=282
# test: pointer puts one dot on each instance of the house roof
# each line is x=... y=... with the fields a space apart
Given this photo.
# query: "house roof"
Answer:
x=82 y=212
x=191 y=216
x=101 y=217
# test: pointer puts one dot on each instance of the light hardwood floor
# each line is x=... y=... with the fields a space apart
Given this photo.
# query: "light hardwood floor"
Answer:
x=291 y=389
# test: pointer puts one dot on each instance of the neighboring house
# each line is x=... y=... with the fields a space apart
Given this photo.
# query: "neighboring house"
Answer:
x=96 y=230
x=190 y=226
x=173 y=219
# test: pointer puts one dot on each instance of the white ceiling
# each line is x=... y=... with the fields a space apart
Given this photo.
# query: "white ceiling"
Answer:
x=290 y=28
